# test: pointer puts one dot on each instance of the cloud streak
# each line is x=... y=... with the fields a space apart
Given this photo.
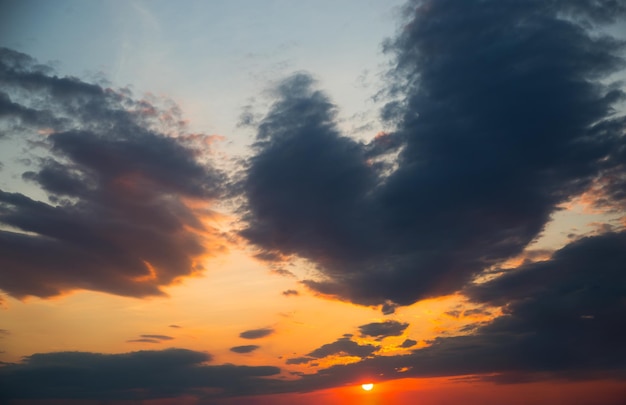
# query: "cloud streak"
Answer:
x=134 y=375
x=256 y=333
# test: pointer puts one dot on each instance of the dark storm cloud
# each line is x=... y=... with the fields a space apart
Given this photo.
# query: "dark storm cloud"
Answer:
x=115 y=175
x=131 y=376
x=381 y=330
x=256 y=333
x=244 y=349
x=502 y=112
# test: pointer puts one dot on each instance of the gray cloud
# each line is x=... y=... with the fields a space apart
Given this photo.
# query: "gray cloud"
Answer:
x=563 y=318
x=381 y=330
x=244 y=349
x=115 y=171
x=256 y=333
x=497 y=122
x=288 y=293
x=408 y=343
x=159 y=337
x=131 y=376
x=343 y=346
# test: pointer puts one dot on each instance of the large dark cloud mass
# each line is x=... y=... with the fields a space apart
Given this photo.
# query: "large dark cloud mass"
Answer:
x=135 y=375
x=502 y=111
x=115 y=171
x=564 y=317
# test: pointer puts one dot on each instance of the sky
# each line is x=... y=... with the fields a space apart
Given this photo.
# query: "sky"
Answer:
x=275 y=202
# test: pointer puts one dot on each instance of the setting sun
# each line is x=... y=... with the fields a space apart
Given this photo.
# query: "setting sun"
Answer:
x=367 y=387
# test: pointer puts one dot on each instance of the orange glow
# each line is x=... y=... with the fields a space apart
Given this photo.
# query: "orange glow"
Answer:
x=437 y=391
x=151 y=275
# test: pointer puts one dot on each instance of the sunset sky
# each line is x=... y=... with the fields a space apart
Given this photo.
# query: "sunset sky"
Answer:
x=275 y=202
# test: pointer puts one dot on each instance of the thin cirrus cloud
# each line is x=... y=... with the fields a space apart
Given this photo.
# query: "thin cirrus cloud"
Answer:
x=115 y=171
x=496 y=123
x=151 y=339
x=244 y=349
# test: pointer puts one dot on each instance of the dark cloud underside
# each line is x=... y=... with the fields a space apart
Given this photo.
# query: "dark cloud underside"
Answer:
x=115 y=179
x=502 y=112
x=131 y=376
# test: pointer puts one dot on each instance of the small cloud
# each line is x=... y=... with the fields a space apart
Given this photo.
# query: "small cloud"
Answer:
x=408 y=343
x=381 y=330
x=157 y=337
x=175 y=326
x=288 y=293
x=388 y=308
x=283 y=272
x=150 y=339
x=244 y=349
x=344 y=347
x=299 y=360
x=256 y=333
x=143 y=340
